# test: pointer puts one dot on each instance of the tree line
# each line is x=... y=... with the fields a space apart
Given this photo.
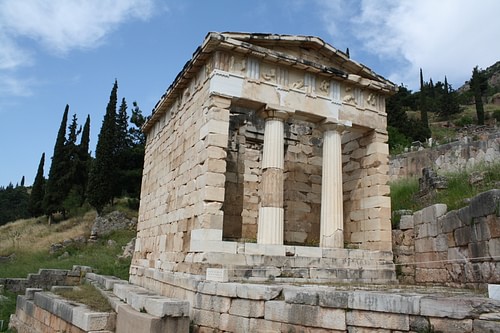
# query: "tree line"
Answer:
x=75 y=178
x=438 y=98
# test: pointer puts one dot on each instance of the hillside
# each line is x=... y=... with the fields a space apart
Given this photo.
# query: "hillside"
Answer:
x=492 y=73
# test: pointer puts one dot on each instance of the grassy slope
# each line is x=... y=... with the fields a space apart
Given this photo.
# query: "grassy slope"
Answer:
x=30 y=241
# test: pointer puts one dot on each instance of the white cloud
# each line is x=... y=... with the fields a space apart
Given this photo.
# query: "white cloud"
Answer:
x=447 y=37
x=59 y=26
x=62 y=25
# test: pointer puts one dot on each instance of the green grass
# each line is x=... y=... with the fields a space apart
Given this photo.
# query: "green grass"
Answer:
x=7 y=306
x=88 y=295
x=404 y=192
x=98 y=255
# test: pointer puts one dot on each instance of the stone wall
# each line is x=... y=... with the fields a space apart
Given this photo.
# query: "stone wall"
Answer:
x=45 y=279
x=451 y=157
x=458 y=248
x=249 y=307
x=45 y=312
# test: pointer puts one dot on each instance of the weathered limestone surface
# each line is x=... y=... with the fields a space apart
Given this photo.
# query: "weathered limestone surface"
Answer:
x=233 y=307
x=455 y=156
x=212 y=164
x=460 y=248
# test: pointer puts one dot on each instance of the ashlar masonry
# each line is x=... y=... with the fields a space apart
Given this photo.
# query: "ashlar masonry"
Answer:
x=267 y=157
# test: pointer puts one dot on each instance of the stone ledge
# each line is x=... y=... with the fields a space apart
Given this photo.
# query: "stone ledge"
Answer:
x=77 y=314
x=143 y=300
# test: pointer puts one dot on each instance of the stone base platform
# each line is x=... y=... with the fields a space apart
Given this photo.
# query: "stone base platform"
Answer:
x=285 y=263
x=282 y=307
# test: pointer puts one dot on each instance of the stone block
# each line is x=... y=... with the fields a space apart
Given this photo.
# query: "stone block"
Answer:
x=212 y=193
x=230 y=323
x=227 y=289
x=211 y=303
x=485 y=203
x=217 y=274
x=451 y=325
x=384 y=302
x=333 y=299
x=247 y=308
x=130 y=321
x=206 y=234
x=214 y=126
x=258 y=292
x=494 y=247
x=406 y=222
x=376 y=201
x=485 y=326
x=300 y=295
x=30 y=292
x=378 y=320
x=455 y=308
x=306 y=315
x=462 y=236
x=264 y=326
x=163 y=306
x=431 y=213
x=450 y=222
x=264 y=249
x=307 y=251
x=92 y=321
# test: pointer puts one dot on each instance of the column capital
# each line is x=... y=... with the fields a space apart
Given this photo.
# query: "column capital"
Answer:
x=275 y=112
x=334 y=125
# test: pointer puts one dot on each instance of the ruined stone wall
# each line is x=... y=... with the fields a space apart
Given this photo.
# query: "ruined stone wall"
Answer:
x=458 y=248
x=451 y=157
x=45 y=278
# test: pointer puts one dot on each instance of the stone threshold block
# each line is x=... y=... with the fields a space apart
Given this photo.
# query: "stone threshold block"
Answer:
x=143 y=300
x=76 y=314
x=106 y=282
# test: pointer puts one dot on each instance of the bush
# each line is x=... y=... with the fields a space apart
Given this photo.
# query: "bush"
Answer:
x=464 y=120
x=496 y=115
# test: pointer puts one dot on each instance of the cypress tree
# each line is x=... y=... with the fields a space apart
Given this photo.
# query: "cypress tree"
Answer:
x=424 y=105
x=35 y=205
x=479 y=85
x=448 y=101
x=123 y=147
x=56 y=183
x=102 y=178
x=84 y=159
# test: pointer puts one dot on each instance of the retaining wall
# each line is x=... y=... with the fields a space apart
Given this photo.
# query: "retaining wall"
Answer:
x=451 y=157
x=458 y=248
x=45 y=279
x=248 y=307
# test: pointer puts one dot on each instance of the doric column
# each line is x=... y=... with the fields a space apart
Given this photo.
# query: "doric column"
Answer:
x=271 y=213
x=332 y=217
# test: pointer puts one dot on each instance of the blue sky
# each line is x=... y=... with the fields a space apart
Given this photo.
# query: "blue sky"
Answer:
x=58 y=52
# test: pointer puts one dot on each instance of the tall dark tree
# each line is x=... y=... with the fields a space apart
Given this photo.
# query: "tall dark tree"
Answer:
x=35 y=205
x=83 y=164
x=448 y=103
x=135 y=154
x=74 y=195
x=137 y=119
x=122 y=135
x=101 y=179
x=479 y=85
x=13 y=203
x=423 y=101
x=57 y=185
x=424 y=107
